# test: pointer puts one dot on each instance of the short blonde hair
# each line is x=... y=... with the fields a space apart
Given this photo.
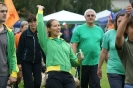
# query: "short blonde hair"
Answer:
x=23 y=23
x=89 y=10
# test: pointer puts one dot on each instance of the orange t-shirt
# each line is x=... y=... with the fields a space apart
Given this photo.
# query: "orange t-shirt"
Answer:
x=110 y=26
x=17 y=36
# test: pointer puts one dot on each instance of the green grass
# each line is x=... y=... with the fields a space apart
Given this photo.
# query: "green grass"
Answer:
x=104 y=81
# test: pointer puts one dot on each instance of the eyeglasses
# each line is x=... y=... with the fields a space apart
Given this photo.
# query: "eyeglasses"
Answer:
x=90 y=15
x=2 y=11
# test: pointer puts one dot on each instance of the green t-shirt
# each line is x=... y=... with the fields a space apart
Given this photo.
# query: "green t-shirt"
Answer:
x=126 y=56
x=114 y=64
x=89 y=40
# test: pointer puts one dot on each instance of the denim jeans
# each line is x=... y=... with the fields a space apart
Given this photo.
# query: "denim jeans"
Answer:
x=3 y=81
x=116 y=80
x=128 y=86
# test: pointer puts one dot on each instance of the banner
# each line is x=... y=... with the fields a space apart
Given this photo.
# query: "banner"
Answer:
x=12 y=15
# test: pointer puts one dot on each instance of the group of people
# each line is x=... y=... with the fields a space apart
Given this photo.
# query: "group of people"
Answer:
x=35 y=41
x=117 y=45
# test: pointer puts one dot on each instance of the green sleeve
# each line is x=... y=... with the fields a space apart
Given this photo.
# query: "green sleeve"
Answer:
x=12 y=56
x=42 y=35
x=73 y=59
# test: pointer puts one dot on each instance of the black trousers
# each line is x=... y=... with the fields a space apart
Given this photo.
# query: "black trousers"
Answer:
x=89 y=77
x=56 y=79
x=32 y=74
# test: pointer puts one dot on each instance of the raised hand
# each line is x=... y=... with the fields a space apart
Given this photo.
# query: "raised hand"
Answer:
x=80 y=55
x=129 y=9
x=40 y=7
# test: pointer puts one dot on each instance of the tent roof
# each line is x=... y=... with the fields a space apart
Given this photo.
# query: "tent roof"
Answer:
x=104 y=20
x=102 y=14
x=66 y=16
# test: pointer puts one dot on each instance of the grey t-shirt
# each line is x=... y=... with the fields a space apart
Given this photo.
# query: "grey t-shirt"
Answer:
x=3 y=53
x=126 y=56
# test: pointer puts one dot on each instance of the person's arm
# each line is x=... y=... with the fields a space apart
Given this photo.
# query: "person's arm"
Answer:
x=13 y=61
x=103 y=55
x=75 y=39
x=74 y=47
x=42 y=34
x=75 y=60
x=106 y=59
x=122 y=27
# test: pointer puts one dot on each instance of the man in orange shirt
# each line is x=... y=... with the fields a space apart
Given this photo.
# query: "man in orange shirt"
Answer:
x=111 y=24
x=23 y=27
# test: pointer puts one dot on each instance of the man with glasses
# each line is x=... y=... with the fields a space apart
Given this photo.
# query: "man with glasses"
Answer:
x=88 y=38
x=8 y=63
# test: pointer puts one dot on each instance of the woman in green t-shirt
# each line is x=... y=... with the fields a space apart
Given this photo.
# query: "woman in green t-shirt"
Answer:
x=115 y=70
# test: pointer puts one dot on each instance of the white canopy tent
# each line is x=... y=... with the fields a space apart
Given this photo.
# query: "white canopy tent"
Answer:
x=66 y=16
x=102 y=14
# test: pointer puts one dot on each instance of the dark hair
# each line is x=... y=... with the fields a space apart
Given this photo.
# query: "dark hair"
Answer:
x=3 y=4
x=111 y=21
x=130 y=22
x=115 y=22
x=48 y=24
x=31 y=18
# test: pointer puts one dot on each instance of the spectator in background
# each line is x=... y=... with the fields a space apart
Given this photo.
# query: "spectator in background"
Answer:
x=66 y=32
x=8 y=63
x=29 y=55
x=110 y=25
x=23 y=26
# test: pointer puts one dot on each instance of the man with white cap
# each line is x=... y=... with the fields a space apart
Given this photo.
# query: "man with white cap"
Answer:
x=66 y=32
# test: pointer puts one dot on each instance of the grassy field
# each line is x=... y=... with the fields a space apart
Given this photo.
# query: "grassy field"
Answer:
x=104 y=81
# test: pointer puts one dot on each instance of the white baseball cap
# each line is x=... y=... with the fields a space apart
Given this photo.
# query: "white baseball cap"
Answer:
x=64 y=23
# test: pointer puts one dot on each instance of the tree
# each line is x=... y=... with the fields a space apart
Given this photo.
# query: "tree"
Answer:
x=25 y=7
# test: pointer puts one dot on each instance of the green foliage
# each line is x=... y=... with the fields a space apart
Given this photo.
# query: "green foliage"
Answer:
x=26 y=7
x=116 y=9
x=1 y=0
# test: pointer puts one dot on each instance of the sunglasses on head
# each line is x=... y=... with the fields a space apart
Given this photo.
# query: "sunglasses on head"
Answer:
x=90 y=15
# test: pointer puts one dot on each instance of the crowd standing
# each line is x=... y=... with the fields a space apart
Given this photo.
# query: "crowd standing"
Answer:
x=22 y=54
